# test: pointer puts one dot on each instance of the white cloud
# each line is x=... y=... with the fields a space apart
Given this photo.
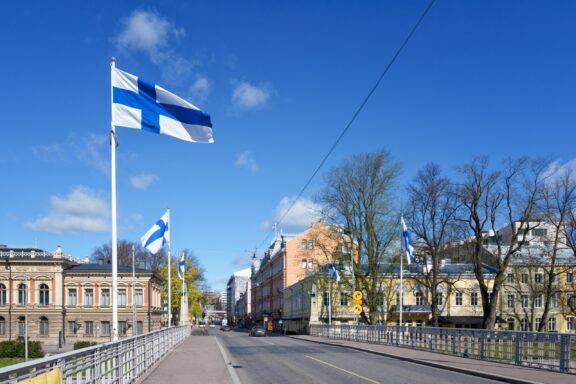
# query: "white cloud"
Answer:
x=246 y=160
x=557 y=169
x=82 y=210
x=248 y=96
x=200 y=89
x=143 y=181
x=302 y=214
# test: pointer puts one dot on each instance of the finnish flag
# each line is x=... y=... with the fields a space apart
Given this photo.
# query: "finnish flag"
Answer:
x=407 y=242
x=333 y=271
x=181 y=268
x=139 y=104
x=158 y=235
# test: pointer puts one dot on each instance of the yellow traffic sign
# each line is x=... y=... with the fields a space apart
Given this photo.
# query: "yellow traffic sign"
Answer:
x=357 y=295
x=357 y=302
x=357 y=309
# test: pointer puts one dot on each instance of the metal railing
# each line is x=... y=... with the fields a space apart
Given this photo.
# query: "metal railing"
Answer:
x=122 y=361
x=552 y=351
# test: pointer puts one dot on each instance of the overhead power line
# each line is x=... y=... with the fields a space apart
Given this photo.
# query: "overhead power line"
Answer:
x=354 y=116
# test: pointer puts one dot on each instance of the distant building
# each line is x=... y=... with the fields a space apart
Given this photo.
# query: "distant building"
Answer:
x=236 y=286
x=63 y=297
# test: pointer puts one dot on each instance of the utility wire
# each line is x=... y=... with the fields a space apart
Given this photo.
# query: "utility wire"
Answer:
x=358 y=110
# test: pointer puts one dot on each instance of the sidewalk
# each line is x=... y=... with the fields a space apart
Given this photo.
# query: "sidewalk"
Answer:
x=197 y=360
x=490 y=370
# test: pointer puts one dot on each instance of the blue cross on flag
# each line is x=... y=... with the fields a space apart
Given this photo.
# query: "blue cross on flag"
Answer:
x=407 y=242
x=181 y=268
x=333 y=271
x=158 y=235
x=139 y=104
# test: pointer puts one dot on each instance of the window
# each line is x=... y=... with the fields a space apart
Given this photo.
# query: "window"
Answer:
x=510 y=300
x=304 y=244
x=524 y=324
x=310 y=263
x=89 y=328
x=72 y=296
x=440 y=299
x=539 y=232
x=344 y=298
x=458 y=299
x=538 y=300
x=72 y=329
x=569 y=277
x=2 y=326
x=570 y=323
x=380 y=299
x=572 y=301
x=139 y=297
x=2 y=294
x=537 y=322
x=105 y=296
x=510 y=278
x=554 y=300
x=21 y=325
x=303 y=263
x=88 y=297
x=342 y=248
x=105 y=328
x=474 y=298
x=539 y=278
x=122 y=328
x=419 y=298
x=44 y=326
x=139 y=327
x=398 y=299
x=122 y=297
x=310 y=244
x=44 y=294
x=511 y=324
x=524 y=278
x=325 y=298
x=22 y=294
x=524 y=300
x=552 y=324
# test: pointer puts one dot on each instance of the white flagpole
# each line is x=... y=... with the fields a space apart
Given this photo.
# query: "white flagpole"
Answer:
x=169 y=286
x=113 y=144
x=401 y=277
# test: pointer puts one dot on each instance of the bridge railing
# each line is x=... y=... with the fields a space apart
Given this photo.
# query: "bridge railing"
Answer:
x=122 y=361
x=544 y=350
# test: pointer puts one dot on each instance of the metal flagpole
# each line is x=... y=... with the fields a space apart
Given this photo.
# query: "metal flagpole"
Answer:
x=134 y=330
x=401 y=277
x=330 y=301
x=169 y=286
x=113 y=144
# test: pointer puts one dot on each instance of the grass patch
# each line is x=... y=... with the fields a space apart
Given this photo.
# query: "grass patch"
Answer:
x=6 y=361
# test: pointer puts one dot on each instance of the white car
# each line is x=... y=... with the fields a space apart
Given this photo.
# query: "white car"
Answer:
x=212 y=326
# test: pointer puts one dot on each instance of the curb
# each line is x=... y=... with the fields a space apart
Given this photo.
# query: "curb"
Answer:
x=485 y=375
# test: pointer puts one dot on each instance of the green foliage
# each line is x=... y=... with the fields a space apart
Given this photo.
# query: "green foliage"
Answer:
x=16 y=349
x=84 y=344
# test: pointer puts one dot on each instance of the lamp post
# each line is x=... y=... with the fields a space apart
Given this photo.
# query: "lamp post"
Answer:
x=25 y=316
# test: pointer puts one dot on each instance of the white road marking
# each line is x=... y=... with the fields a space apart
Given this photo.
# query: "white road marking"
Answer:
x=233 y=374
x=267 y=342
x=343 y=370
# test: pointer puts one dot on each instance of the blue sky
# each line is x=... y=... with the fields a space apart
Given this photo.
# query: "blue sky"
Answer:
x=280 y=80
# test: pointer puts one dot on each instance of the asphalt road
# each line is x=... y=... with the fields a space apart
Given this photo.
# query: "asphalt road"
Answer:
x=256 y=360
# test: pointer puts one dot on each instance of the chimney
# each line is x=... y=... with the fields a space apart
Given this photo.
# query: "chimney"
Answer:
x=58 y=252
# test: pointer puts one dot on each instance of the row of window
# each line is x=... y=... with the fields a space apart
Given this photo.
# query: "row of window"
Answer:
x=307 y=244
x=538 y=278
x=551 y=325
x=419 y=298
x=72 y=298
x=74 y=327
x=43 y=290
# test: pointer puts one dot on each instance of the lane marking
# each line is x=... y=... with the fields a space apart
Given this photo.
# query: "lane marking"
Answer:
x=231 y=370
x=343 y=370
x=267 y=342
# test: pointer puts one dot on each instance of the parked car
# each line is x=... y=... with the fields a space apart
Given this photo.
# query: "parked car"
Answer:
x=257 y=331
x=225 y=328
x=212 y=325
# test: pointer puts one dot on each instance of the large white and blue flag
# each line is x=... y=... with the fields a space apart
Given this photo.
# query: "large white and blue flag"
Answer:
x=407 y=242
x=181 y=268
x=158 y=235
x=333 y=271
x=139 y=104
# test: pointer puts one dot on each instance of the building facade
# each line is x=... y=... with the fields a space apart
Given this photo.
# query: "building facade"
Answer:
x=236 y=286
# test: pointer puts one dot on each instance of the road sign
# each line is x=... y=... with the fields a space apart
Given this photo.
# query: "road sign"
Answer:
x=357 y=302
x=357 y=295
x=357 y=309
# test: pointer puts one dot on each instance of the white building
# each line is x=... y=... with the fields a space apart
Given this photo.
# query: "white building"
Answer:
x=237 y=286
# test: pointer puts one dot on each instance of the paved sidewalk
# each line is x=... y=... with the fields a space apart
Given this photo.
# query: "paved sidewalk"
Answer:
x=491 y=370
x=197 y=360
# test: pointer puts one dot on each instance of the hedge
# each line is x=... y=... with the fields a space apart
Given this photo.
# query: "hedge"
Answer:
x=16 y=349
x=84 y=344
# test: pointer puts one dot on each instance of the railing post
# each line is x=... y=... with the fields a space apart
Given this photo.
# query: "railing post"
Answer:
x=519 y=343
x=564 y=353
x=483 y=340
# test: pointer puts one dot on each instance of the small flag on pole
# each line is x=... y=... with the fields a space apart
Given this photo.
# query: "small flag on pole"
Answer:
x=139 y=104
x=158 y=235
x=333 y=271
x=181 y=268
x=407 y=242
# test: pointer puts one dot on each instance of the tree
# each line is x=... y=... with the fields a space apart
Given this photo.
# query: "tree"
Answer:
x=143 y=259
x=430 y=212
x=359 y=206
x=490 y=199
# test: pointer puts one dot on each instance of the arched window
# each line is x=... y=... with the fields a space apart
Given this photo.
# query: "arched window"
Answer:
x=21 y=322
x=22 y=294
x=43 y=326
x=2 y=326
x=2 y=294
x=44 y=294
